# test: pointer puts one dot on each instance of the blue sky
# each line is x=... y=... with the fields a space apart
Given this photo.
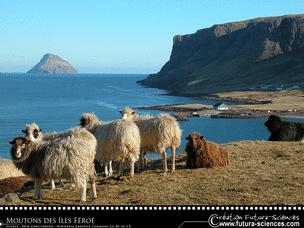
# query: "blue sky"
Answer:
x=114 y=36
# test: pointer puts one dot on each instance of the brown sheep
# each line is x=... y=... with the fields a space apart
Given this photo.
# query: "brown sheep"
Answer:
x=204 y=154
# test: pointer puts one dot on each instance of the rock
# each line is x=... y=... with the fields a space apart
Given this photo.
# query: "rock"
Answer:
x=52 y=64
x=8 y=169
x=12 y=198
x=181 y=116
x=235 y=56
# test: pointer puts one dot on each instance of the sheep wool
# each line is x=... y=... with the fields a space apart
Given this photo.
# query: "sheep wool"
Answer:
x=157 y=134
x=116 y=141
x=34 y=132
x=70 y=158
x=204 y=154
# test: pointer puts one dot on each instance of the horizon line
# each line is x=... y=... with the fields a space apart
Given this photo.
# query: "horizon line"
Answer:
x=75 y=73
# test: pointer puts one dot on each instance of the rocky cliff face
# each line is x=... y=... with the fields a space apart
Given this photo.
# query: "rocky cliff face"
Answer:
x=235 y=56
x=53 y=64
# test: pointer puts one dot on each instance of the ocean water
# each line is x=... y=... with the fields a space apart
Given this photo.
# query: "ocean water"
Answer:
x=56 y=103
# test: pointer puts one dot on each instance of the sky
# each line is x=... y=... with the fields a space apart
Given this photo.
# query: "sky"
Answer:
x=114 y=36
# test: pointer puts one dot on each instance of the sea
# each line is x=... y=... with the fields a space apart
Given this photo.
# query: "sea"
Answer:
x=56 y=102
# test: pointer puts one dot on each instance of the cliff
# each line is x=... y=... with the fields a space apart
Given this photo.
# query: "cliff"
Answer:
x=235 y=56
x=53 y=64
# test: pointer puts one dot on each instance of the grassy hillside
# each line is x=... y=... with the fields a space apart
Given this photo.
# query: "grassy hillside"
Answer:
x=261 y=173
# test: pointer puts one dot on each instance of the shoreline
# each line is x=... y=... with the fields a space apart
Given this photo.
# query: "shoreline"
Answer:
x=244 y=105
x=184 y=114
x=215 y=97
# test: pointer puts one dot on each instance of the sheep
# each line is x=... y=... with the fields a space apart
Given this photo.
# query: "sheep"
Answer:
x=116 y=141
x=157 y=134
x=8 y=169
x=70 y=158
x=204 y=154
x=34 y=133
x=284 y=131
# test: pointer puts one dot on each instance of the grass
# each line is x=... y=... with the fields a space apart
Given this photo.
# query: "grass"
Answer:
x=261 y=172
x=281 y=100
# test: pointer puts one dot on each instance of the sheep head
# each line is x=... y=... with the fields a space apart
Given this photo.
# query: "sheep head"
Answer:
x=18 y=146
x=193 y=140
x=89 y=121
x=273 y=123
x=128 y=114
x=33 y=132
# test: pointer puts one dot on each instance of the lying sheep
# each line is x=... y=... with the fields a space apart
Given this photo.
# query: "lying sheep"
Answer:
x=116 y=141
x=284 y=131
x=157 y=134
x=203 y=154
x=70 y=158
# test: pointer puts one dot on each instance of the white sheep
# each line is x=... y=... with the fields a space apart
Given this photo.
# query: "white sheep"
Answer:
x=116 y=141
x=70 y=158
x=157 y=134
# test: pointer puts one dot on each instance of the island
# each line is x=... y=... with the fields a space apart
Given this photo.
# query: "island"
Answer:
x=52 y=64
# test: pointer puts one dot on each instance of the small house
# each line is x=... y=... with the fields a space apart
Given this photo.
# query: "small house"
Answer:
x=220 y=107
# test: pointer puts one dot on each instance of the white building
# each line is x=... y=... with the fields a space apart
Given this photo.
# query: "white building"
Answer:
x=221 y=107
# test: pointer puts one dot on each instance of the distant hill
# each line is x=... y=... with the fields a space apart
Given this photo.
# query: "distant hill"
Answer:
x=257 y=53
x=53 y=64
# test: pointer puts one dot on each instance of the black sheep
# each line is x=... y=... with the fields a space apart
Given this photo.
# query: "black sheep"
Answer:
x=284 y=131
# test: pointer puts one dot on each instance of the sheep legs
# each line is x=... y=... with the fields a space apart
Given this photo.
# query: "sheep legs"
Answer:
x=173 y=152
x=53 y=186
x=109 y=172
x=121 y=168
x=131 y=169
x=110 y=168
x=142 y=161
x=164 y=157
x=37 y=193
x=93 y=186
x=83 y=191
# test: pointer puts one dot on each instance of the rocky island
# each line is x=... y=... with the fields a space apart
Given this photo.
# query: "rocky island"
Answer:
x=52 y=64
x=257 y=54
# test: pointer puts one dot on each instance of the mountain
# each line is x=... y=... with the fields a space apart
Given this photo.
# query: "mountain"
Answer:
x=53 y=64
x=235 y=56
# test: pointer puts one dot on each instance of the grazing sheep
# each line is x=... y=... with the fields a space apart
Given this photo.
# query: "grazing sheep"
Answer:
x=203 y=154
x=157 y=134
x=116 y=141
x=284 y=131
x=70 y=158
